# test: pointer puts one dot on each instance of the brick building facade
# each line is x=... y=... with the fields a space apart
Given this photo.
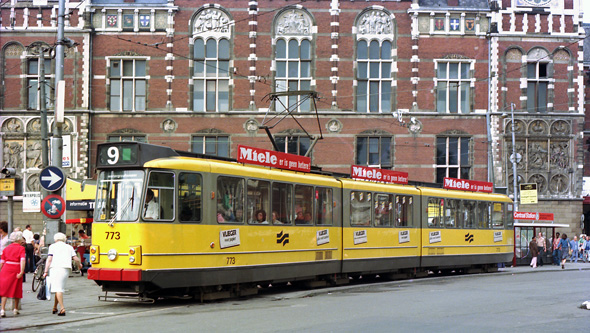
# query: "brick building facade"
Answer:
x=419 y=86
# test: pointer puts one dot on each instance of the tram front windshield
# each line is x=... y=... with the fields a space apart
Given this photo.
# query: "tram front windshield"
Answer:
x=118 y=195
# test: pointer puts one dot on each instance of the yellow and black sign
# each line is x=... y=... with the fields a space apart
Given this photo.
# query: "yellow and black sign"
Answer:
x=528 y=193
x=7 y=186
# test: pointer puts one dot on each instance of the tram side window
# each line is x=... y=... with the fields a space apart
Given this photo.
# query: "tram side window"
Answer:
x=509 y=216
x=303 y=205
x=258 y=201
x=159 y=198
x=483 y=215
x=403 y=211
x=452 y=213
x=383 y=210
x=469 y=214
x=282 y=198
x=498 y=216
x=360 y=208
x=189 y=197
x=323 y=206
x=435 y=212
x=230 y=200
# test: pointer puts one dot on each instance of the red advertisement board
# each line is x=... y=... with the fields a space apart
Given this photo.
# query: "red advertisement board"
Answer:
x=273 y=159
x=378 y=175
x=468 y=185
x=533 y=216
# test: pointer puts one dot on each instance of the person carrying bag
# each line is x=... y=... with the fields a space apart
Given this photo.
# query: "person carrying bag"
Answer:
x=42 y=294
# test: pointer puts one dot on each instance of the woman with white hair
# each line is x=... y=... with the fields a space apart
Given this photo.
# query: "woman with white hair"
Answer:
x=59 y=264
x=12 y=269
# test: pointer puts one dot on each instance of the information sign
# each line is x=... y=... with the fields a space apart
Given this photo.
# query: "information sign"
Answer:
x=7 y=186
x=528 y=193
x=533 y=216
x=52 y=178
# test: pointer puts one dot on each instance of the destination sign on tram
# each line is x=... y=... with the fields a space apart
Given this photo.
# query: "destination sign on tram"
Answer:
x=378 y=175
x=468 y=185
x=273 y=159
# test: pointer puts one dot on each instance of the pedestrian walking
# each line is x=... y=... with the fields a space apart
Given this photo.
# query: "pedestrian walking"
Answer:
x=29 y=249
x=574 y=249
x=534 y=252
x=59 y=265
x=541 y=245
x=564 y=247
x=555 y=247
x=12 y=269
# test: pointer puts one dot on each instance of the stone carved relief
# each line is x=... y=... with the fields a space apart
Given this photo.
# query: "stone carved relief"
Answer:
x=537 y=54
x=32 y=183
x=34 y=126
x=12 y=125
x=211 y=19
x=538 y=127
x=537 y=155
x=293 y=22
x=541 y=182
x=560 y=127
x=375 y=22
x=519 y=127
x=559 y=155
x=12 y=154
x=66 y=127
x=169 y=126
x=34 y=157
x=424 y=23
x=558 y=184
x=561 y=56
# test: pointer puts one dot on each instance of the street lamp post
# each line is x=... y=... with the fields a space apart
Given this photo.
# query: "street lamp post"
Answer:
x=513 y=159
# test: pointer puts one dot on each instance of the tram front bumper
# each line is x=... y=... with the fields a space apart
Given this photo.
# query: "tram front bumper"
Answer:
x=114 y=274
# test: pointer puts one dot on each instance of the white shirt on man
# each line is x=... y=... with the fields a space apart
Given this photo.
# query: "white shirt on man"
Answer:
x=28 y=236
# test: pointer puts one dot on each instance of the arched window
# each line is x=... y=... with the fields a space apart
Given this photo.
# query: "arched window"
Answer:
x=293 y=58
x=211 y=61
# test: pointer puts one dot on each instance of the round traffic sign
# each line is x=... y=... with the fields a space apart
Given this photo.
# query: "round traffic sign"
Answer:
x=53 y=206
x=52 y=178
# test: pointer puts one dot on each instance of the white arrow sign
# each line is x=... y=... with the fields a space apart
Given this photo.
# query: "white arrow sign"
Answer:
x=52 y=178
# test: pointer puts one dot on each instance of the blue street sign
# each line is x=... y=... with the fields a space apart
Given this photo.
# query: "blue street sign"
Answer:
x=52 y=178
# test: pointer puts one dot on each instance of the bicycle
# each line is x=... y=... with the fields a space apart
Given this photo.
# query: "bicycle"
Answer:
x=38 y=274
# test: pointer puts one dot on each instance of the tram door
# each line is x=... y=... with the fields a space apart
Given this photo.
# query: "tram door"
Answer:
x=521 y=251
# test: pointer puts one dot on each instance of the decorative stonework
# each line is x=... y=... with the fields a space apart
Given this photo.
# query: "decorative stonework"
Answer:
x=12 y=126
x=34 y=126
x=560 y=127
x=294 y=22
x=12 y=154
x=334 y=126
x=514 y=55
x=34 y=157
x=375 y=22
x=211 y=20
x=537 y=155
x=559 y=184
x=32 y=183
x=541 y=182
x=538 y=127
x=13 y=51
x=559 y=155
x=251 y=126
x=169 y=126
x=415 y=126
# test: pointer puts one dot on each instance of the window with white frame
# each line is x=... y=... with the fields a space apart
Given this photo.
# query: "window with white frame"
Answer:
x=33 y=91
x=373 y=73
x=128 y=84
x=293 y=144
x=211 y=144
x=452 y=158
x=453 y=80
x=293 y=60
x=127 y=137
x=537 y=83
x=211 y=74
x=374 y=151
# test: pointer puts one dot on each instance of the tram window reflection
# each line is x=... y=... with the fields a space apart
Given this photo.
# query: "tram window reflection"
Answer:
x=303 y=205
x=159 y=200
x=435 y=212
x=483 y=215
x=403 y=211
x=383 y=210
x=360 y=208
x=452 y=213
x=469 y=214
x=323 y=205
x=282 y=198
x=498 y=216
x=258 y=201
x=230 y=200
x=189 y=197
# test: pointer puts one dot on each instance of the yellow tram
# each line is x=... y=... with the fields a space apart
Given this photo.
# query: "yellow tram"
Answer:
x=172 y=223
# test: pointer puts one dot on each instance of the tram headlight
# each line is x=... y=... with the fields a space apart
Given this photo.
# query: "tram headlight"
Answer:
x=112 y=254
x=94 y=254
x=135 y=255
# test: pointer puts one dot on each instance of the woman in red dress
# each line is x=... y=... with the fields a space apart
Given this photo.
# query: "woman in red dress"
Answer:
x=12 y=269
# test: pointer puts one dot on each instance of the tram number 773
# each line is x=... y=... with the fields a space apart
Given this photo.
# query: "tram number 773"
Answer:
x=113 y=235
